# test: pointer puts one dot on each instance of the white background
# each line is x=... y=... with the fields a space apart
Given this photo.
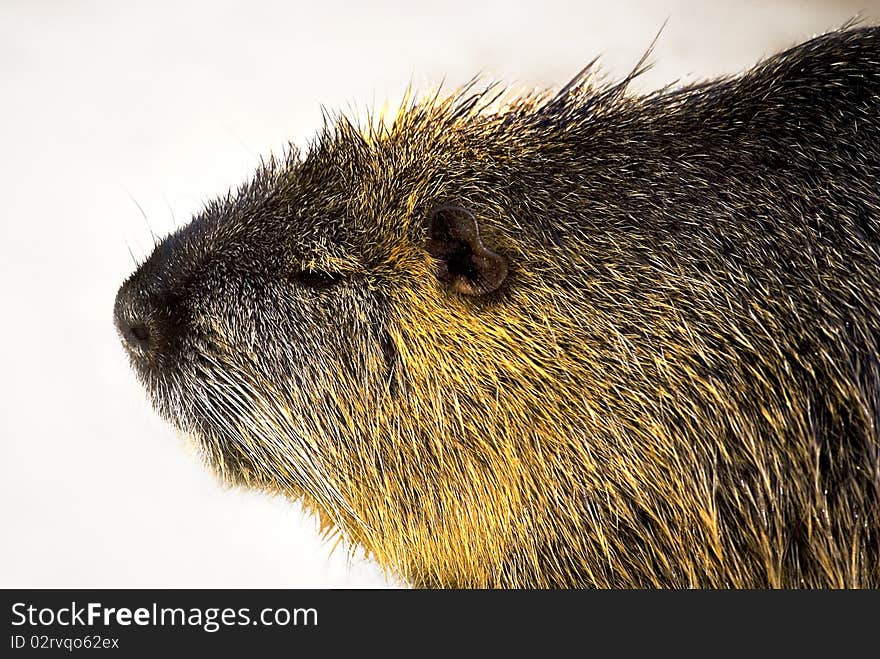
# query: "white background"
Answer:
x=106 y=104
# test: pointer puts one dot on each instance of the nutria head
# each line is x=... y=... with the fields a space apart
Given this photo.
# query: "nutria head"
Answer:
x=270 y=329
x=571 y=339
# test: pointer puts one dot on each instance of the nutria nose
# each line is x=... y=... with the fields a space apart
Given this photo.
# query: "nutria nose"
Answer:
x=130 y=324
x=136 y=323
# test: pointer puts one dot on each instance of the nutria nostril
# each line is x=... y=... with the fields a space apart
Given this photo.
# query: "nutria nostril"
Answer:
x=138 y=336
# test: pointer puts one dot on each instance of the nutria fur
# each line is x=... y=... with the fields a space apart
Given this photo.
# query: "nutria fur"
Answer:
x=582 y=339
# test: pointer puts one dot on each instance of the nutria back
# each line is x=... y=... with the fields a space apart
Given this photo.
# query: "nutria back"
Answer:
x=572 y=339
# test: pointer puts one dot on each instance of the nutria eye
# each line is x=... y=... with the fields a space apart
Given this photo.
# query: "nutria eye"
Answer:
x=317 y=279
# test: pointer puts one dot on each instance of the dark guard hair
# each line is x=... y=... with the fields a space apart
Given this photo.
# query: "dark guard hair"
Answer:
x=583 y=339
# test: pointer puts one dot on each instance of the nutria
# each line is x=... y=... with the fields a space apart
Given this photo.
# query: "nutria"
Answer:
x=575 y=339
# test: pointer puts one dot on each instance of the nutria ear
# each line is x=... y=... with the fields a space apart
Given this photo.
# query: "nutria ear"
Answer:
x=464 y=263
